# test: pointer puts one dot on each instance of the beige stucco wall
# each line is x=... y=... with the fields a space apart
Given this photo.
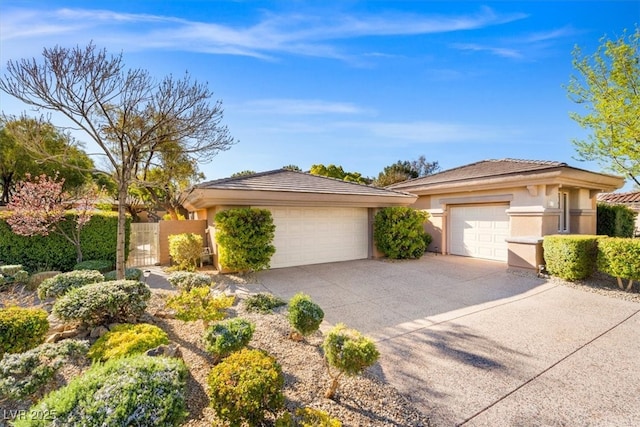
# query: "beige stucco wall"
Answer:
x=533 y=212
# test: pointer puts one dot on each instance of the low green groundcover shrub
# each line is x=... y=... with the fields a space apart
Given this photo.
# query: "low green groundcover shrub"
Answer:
x=129 y=274
x=133 y=391
x=12 y=274
x=305 y=316
x=94 y=264
x=246 y=386
x=398 y=232
x=59 y=285
x=21 y=329
x=263 y=303
x=185 y=280
x=620 y=258
x=105 y=302
x=27 y=374
x=349 y=352
x=307 y=417
x=200 y=304
x=127 y=340
x=570 y=257
x=224 y=338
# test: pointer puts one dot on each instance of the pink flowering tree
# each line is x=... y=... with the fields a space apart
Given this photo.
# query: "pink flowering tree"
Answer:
x=38 y=208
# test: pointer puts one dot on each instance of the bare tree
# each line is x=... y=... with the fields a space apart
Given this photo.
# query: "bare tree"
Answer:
x=126 y=112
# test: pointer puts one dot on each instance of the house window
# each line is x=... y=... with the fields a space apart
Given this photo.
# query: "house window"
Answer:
x=563 y=219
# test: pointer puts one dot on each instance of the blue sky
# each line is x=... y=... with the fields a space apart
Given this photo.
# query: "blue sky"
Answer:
x=354 y=83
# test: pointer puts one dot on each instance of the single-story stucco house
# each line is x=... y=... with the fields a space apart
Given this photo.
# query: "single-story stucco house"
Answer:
x=494 y=209
x=501 y=209
x=317 y=219
x=629 y=199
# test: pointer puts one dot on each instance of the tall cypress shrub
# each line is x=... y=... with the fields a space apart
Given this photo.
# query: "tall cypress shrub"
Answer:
x=615 y=220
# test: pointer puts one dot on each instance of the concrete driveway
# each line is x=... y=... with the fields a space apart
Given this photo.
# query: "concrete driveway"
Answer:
x=474 y=345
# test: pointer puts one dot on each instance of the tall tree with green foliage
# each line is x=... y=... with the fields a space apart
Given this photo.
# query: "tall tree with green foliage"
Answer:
x=17 y=160
x=337 y=172
x=127 y=113
x=608 y=87
x=404 y=170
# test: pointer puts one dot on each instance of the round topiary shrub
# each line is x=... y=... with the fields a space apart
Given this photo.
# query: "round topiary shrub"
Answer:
x=27 y=374
x=399 y=232
x=62 y=283
x=185 y=250
x=305 y=316
x=133 y=391
x=349 y=352
x=94 y=264
x=246 y=386
x=185 y=280
x=200 y=304
x=127 y=340
x=129 y=274
x=21 y=329
x=106 y=302
x=224 y=338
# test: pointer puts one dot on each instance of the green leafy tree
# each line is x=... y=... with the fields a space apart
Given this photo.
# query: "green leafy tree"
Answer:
x=337 y=172
x=608 y=87
x=128 y=114
x=243 y=173
x=292 y=168
x=404 y=170
x=17 y=160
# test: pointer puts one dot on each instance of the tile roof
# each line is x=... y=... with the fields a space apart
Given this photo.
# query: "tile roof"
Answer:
x=631 y=197
x=482 y=169
x=285 y=180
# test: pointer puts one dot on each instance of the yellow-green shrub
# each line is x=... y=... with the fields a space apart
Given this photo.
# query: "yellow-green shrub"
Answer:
x=348 y=351
x=307 y=417
x=245 y=386
x=185 y=250
x=200 y=304
x=570 y=257
x=126 y=340
x=21 y=329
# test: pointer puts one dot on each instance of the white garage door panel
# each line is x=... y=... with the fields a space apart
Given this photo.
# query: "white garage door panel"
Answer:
x=318 y=235
x=480 y=231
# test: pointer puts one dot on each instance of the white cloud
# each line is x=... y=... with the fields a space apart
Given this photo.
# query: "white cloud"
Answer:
x=300 y=107
x=300 y=34
x=498 y=51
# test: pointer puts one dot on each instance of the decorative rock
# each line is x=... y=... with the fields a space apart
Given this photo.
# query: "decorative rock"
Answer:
x=171 y=350
x=98 y=331
x=53 y=338
x=164 y=314
x=69 y=334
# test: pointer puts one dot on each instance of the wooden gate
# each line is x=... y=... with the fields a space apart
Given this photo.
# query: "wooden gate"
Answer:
x=144 y=246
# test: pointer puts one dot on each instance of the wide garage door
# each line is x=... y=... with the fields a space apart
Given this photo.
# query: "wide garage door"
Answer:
x=306 y=235
x=479 y=231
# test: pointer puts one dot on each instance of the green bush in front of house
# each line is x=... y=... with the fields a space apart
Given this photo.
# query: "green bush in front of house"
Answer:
x=570 y=257
x=185 y=250
x=132 y=391
x=94 y=264
x=54 y=252
x=620 y=258
x=59 y=285
x=615 y=220
x=245 y=237
x=399 y=232
x=185 y=280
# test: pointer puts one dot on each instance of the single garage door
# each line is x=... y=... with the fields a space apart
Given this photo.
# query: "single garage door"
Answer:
x=306 y=235
x=479 y=231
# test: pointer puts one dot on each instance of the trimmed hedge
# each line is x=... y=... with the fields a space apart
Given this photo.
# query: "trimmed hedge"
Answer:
x=59 y=285
x=570 y=257
x=105 y=302
x=620 y=258
x=185 y=280
x=54 y=252
x=615 y=220
x=245 y=238
x=399 y=232
x=133 y=391
x=94 y=264
x=185 y=250
x=21 y=329
x=129 y=274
